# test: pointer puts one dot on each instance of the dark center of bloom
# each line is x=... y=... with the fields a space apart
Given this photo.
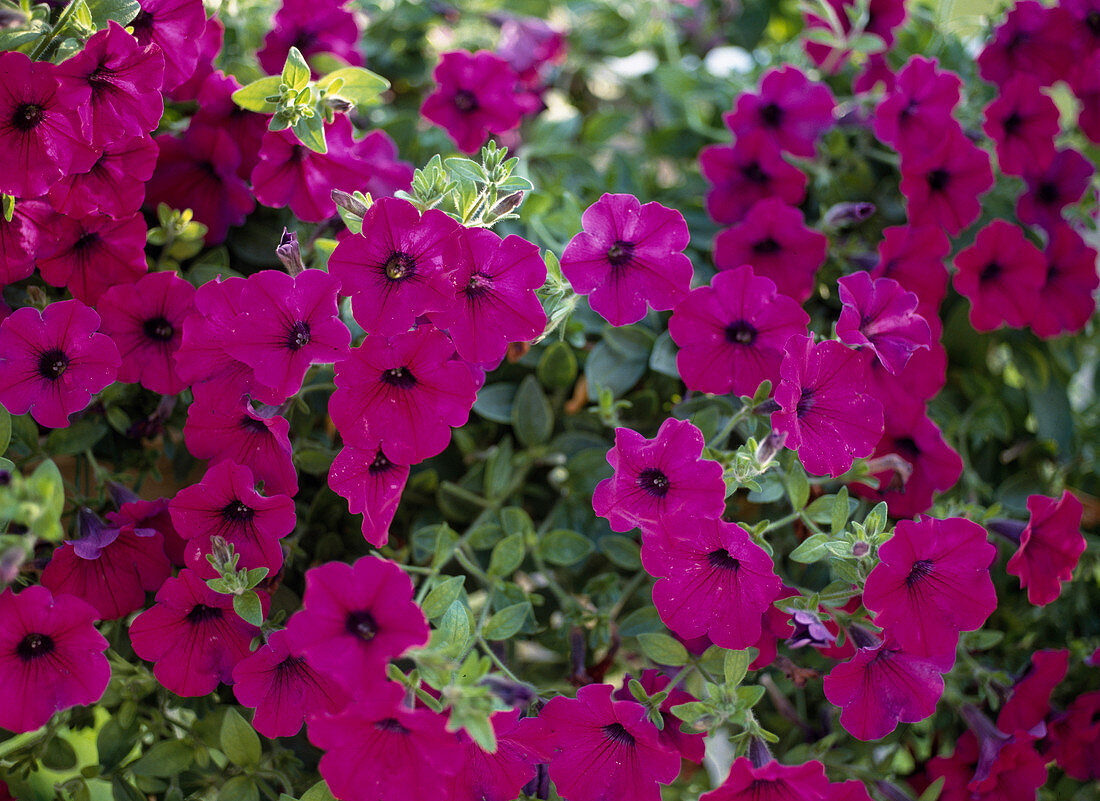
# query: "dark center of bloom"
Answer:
x=771 y=114
x=27 y=116
x=200 y=613
x=391 y=725
x=740 y=332
x=87 y=241
x=361 y=624
x=938 y=179
x=399 y=266
x=921 y=570
x=400 y=377
x=380 y=464
x=465 y=101
x=252 y=424
x=237 y=512
x=35 y=646
x=142 y=25
x=754 y=174
x=158 y=328
x=617 y=733
x=620 y=253
x=805 y=401
x=907 y=447
x=1013 y=122
x=1092 y=22
x=990 y=271
x=653 y=481
x=52 y=364
x=722 y=560
x=478 y=285
x=766 y=246
x=297 y=336
x=1047 y=192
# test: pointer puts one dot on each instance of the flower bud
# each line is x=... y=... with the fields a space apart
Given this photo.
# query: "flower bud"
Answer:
x=844 y=215
x=809 y=630
x=860 y=549
x=770 y=447
x=289 y=253
x=349 y=203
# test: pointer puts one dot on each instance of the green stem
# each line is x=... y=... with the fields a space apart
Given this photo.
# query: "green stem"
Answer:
x=727 y=429
x=58 y=26
x=783 y=521
x=20 y=740
x=628 y=591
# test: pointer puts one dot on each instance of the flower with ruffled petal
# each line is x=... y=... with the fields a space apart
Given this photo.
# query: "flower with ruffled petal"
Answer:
x=689 y=744
x=1062 y=183
x=1050 y=546
x=139 y=513
x=745 y=173
x=501 y=775
x=1066 y=301
x=1029 y=704
x=1075 y=738
x=880 y=314
x=475 y=95
x=1001 y=274
x=176 y=27
x=916 y=113
x=942 y=184
x=793 y=110
x=115 y=184
x=314 y=28
x=372 y=485
x=19 y=238
x=772 y=782
x=218 y=111
x=88 y=255
x=1032 y=40
x=914 y=256
x=1022 y=122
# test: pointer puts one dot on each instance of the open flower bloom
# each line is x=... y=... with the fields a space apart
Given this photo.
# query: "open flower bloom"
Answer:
x=1029 y=704
x=745 y=173
x=942 y=184
x=51 y=657
x=52 y=362
x=1023 y=123
x=654 y=477
x=1049 y=547
x=1001 y=274
x=773 y=782
x=914 y=256
x=115 y=183
x=629 y=255
x=176 y=27
x=313 y=28
x=689 y=744
x=499 y=776
x=1075 y=738
x=1066 y=300
x=89 y=255
x=916 y=113
x=1033 y=40
x=790 y=108
x=475 y=95
x=372 y=485
x=881 y=314
x=1062 y=183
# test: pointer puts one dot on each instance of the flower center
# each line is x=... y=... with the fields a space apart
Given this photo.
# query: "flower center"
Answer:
x=380 y=464
x=391 y=725
x=722 y=560
x=1092 y=22
x=653 y=481
x=35 y=646
x=361 y=624
x=771 y=114
x=1013 y=122
x=478 y=285
x=766 y=246
x=991 y=271
x=143 y=26
x=399 y=266
x=805 y=401
x=465 y=101
x=754 y=174
x=297 y=336
x=27 y=116
x=938 y=179
x=620 y=253
x=920 y=571
x=400 y=377
x=200 y=613
x=907 y=446
x=87 y=241
x=237 y=512
x=52 y=364
x=158 y=328
x=253 y=424
x=617 y=733
x=1047 y=192
x=740 y=332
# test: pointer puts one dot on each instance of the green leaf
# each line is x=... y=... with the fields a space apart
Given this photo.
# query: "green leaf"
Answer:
x=532 y=416
x=5 y=429
x=248 y=607
x=641 y=621
x=114 y=742
x=467 y=169
x=663 y=649
x=318 y=792
x=121 y=11
x=507 y=556
x=750 y=696
x=622 y=551
x=77 y=438
x=239 y=740
x=812 y=549
x=506 y=622
x=735 y=667
x=607 y=368
x=557 y=369
x=933 y=791
x=360 y=86
x=839 y=518
x=239 y=788
x=311 y=133
x=564 y=547
x=166 y=759
x=798 y=487
x=663 y=358
x=59 y=755
x=296 y=71
x=253 y=96
x=122 y=790
x=454 y=629
x=494 y=402
x=442 y=596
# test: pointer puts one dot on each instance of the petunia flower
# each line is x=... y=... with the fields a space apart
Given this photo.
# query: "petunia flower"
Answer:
x=110 y=567
x=51 y=657
x=225 y=504
x=824 y=407
x=145 y=320
x=600 y=749
x=881 y=686
x=775 y=625
x=475 y=95
x=1086 y=88
x=142 y=514
x=628 y=255
x=1023 y=123
x=88 y=255
x=774 y=240
x=689 y=744
x=1001 y=274
x=1029 y=704
x=494 y=285
x=192 y=635
x=218 y=111
x=1065 y=303
x=499 y=776
x=876 y=70
x=711 y=578
x=372 y=485
x=210 y=46
x=284 y=689
x=223 y=428
x=942 y=184
x=924 y=375
x=916 y=113
x=395 y=270
x=1014 y=771
x=792 y=109
x=1063 y=182
x=731 y=334
x=654 y=477
x=406 y=391
x=52 y=362
x=176 y=27
x=378 y=749
x=314 y=28
x=19 y=239
x=882 y=18
x=880 y=314
x=1075 y=738
x=115 y=184
x=914 y=256
x=747 y=172
x=932 y=581
x=1050 y=546
x=1032 y=40
x=772 y=782
x=355 y=619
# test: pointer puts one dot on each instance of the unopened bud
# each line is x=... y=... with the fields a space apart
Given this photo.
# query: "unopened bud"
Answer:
x=11 y=561
x=349 y=203
x=5 y=478
x=843 y=215
x=339 y=105
x=759 y=753
x=860 y=549
x=512 y=693
x=289 y=253
x=37 y=297
x=506 y=204
x=770 y=447
x=809 y=630
x=1011 y=530
x=862 y=638
x=219 y=549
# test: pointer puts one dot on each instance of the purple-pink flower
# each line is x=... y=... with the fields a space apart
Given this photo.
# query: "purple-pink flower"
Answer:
x=176 y=27
x=314 y=28
x=114 y=185
x=880 y=314
x=475 y=95
x=745 y=173
x=372 y=485
x=773 y=782
x=1050 y=546
x=1061 y=183
x=793 y=110
x=1022 y=122
x=88 y=255
x=499 y=776
x=914 y=256
x=1001 y=274
x=1065 y=302
x=916 y=114
x=942 y=184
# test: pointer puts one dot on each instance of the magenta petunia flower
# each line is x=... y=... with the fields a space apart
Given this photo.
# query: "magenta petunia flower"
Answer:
x=1029 y=704
x=372 y=485
x=223 y=428
x=225 y=504
x=176 y=27
x=1010 y=769
x=876 y=70
x=1050 y=546
x=284 y=689
x=1065 y=302
x=19 y=238
x=192 y=635
x=499 y=776
x=793 y=110
x=1086 y=87
x=89 y=255
x=37 y=124
x=114 y=85
x=52 y=362
x=943 y=183
x=774 y=240
x=218 y=111
x=731 y=334
x=51 y=657
x=1032 y=40
x=110 y=567
x=1062 y=183
x=138 y=513
x=494 y=285
x=773 y=782
x=387 y=173
x=689 y=744
x=115 y=185
x=406 y=391
x=600 y=749
x=210 y=45
x=287 y=324
x=629 y=255
x=914 y=256
x=825 y=410
x=145 y=320
x=916 y=114
x=655 y=477
x=314 y=28
x=1075 y=738
x=1022 y=122
x=199 y=172
x=379 y=749
x=1000 y=274
x=355 y=619
x=747 y=172
x=924 y=375
x=881 y=686
x=475 y=95
x=880 y=314
x=932 y=581
x=711 y=578
x=395 y=270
